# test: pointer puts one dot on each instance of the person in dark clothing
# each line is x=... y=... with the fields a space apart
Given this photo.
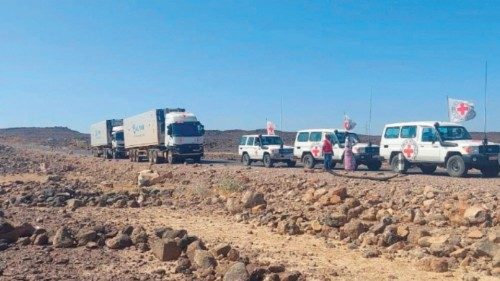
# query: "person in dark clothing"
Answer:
x=327 y=150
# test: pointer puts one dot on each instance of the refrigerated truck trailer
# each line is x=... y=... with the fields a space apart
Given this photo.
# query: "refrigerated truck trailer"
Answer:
x=171 y=135
x=106 y=139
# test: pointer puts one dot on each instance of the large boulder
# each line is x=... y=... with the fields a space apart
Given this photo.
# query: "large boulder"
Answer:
x=251 y=199
x=120 y=241
x=63 y=238
x=204 y=259
x=237 y=272
x=166 y=250
x=84 y=236
x=8 y=232
x=147 y=178
x=476 y=214
x=353 y=229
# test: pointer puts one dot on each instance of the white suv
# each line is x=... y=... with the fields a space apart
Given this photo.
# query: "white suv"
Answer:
x=308 y=148
x=266 y=148
x=428 y=145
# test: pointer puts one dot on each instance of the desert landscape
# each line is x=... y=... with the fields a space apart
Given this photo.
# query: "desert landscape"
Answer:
x=66 y=215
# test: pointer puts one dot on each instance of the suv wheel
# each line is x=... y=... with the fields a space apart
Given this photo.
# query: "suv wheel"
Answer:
x=246 y=159
x=308 y=161
x=374 y=165
x=491 y=171
x=395 y=164
x=428 y=169
x=456 y=166
x=268 y=162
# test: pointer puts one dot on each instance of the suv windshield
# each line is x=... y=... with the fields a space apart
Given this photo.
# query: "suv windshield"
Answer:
x=187 y=129
x=271 y=141
x=451 y=133
x=341 y=137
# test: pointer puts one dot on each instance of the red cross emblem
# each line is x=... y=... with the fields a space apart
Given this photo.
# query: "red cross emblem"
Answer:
x=315 y=151
x=462 y=109
x=408 y=151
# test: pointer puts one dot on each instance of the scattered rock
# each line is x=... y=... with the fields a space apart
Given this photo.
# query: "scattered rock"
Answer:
x=166 y=250
x=63 y=238
x=237 y=272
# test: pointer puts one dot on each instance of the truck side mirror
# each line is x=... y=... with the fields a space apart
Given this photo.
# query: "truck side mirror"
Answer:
x=201 y=129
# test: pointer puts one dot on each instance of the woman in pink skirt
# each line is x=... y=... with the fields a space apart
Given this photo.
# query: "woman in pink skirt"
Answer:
x=349 y=161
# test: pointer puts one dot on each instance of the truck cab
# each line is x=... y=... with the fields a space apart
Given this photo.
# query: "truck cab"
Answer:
x=308 y=148
x=431 y=144
x=269 y=149
x=184 y=136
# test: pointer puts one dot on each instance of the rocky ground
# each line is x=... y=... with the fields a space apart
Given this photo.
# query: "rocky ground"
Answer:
x=69 y=216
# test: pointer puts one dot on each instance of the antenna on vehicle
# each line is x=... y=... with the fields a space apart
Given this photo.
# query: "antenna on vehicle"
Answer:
x=370 y=119
x=281 y=116
x=448 y=106
x=485 y=139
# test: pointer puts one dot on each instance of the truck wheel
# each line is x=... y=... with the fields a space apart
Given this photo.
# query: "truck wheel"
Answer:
x=428 y=169
x=374 y=165
x=171 y=158
x=456 y=166
x=291 y=163
x=268 y=162
x=246 y=159
x=395 y=164
x=491 y=171
x=308 y=161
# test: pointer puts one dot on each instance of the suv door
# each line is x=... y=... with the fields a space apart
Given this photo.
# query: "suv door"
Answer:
x=301 y=144
x=242 y=146
x=428 y=146
x=390 y=142
x=338 y=148
x=316 y=145
x=250 y=148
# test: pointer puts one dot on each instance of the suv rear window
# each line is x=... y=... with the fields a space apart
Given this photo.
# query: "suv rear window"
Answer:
x=315 y=136
x=303 y=137
x=392 y=133
x=408 y=132
x=243 y=140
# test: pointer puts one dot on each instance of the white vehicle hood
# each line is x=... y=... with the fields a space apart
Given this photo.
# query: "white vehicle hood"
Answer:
x=462 y=143
x=361 y=145
x=278 y=147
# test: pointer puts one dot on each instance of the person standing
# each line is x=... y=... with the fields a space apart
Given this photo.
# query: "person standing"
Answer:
x=327 y=153
x=349 y=160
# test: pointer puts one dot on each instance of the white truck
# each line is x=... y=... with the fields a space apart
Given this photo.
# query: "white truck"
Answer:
x=430 y=144
x=106 y=139
x=308 y=148
x=173 y=135
x=269 y=149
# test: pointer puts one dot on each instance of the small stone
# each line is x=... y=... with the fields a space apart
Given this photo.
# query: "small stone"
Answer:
x=166 y=250
x=74 y=204
x=120 y=241
x=371 y=253
x=476 y=214
x=204 y=259
x=475 y=234
x=63 y=238
x=237 y=272
x=434 y=264
x=221 y=250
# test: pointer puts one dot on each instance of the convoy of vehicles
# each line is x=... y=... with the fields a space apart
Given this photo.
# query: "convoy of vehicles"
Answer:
x=428 y=145
x=106 y=139
x=174 y=135
x=308 y=144
x=269 y=149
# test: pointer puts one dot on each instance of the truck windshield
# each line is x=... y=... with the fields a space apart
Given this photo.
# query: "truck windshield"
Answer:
x=187 y=129
x=341 y=137
x=271 y=141
x=451 y=133
x=119 y=136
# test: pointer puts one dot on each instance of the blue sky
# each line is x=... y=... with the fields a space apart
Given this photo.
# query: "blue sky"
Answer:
x=71 y=63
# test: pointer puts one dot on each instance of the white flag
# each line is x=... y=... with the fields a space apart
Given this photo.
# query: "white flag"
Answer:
x=348 y=123
x=270 y=128
x=460 y=110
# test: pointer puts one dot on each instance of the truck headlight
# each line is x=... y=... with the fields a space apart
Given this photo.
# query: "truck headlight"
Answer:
x=470 y=149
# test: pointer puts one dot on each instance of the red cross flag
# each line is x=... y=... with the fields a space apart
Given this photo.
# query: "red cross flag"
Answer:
x=270 y=128
x=460 y=110
x=348 y=123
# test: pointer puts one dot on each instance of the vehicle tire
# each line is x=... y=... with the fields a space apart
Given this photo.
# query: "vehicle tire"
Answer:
x=374 y=165
x=291 y=163
x=268 y=162
x=131 y=155
x=246 y=159
x=171 y=158
x=428 y=169
x=491 y=171
x=456 y=166
x=308 y=161
x=395 y=165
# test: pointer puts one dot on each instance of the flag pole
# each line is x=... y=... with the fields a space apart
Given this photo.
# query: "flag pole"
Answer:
x=370 y=119
x=485 y=140
x=448 y=106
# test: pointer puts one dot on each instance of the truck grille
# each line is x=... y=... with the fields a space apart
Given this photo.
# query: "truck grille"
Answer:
x=374 y=150
x=188 y=148
x=489 y=149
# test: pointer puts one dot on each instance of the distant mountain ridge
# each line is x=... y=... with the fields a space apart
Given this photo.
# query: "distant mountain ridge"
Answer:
x=215 y=140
